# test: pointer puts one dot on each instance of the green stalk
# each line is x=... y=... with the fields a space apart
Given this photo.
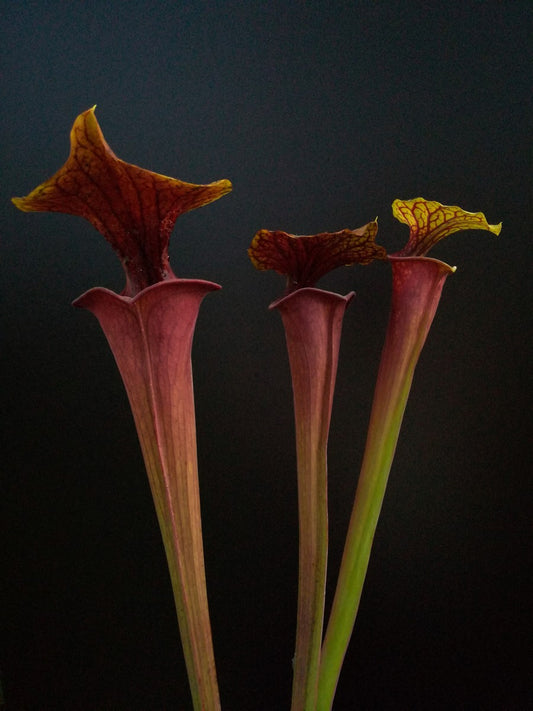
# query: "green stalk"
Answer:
x=417 y=287
x=312 y=320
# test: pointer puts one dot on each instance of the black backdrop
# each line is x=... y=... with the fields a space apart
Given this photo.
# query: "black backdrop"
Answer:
x=321 y=113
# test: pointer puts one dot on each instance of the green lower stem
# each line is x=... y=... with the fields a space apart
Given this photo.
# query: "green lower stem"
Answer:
x=183 y=546
x=368 y=502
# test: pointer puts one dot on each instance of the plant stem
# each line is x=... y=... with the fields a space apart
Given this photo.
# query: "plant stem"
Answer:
x=313 y=320
x=417 y=286
x=151 y=337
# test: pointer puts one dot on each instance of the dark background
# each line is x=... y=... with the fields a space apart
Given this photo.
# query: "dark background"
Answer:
x=321 y=113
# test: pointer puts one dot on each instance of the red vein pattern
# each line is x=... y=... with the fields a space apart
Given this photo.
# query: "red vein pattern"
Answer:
x=429 y=222
x=135 y=209
x=306 y=258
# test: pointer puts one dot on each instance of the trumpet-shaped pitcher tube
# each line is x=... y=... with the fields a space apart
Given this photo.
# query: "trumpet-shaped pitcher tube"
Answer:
x=417 y=286
x=150 y=336
x=312 y=319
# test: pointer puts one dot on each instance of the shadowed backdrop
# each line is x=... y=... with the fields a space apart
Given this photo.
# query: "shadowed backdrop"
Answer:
x=320 y=113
